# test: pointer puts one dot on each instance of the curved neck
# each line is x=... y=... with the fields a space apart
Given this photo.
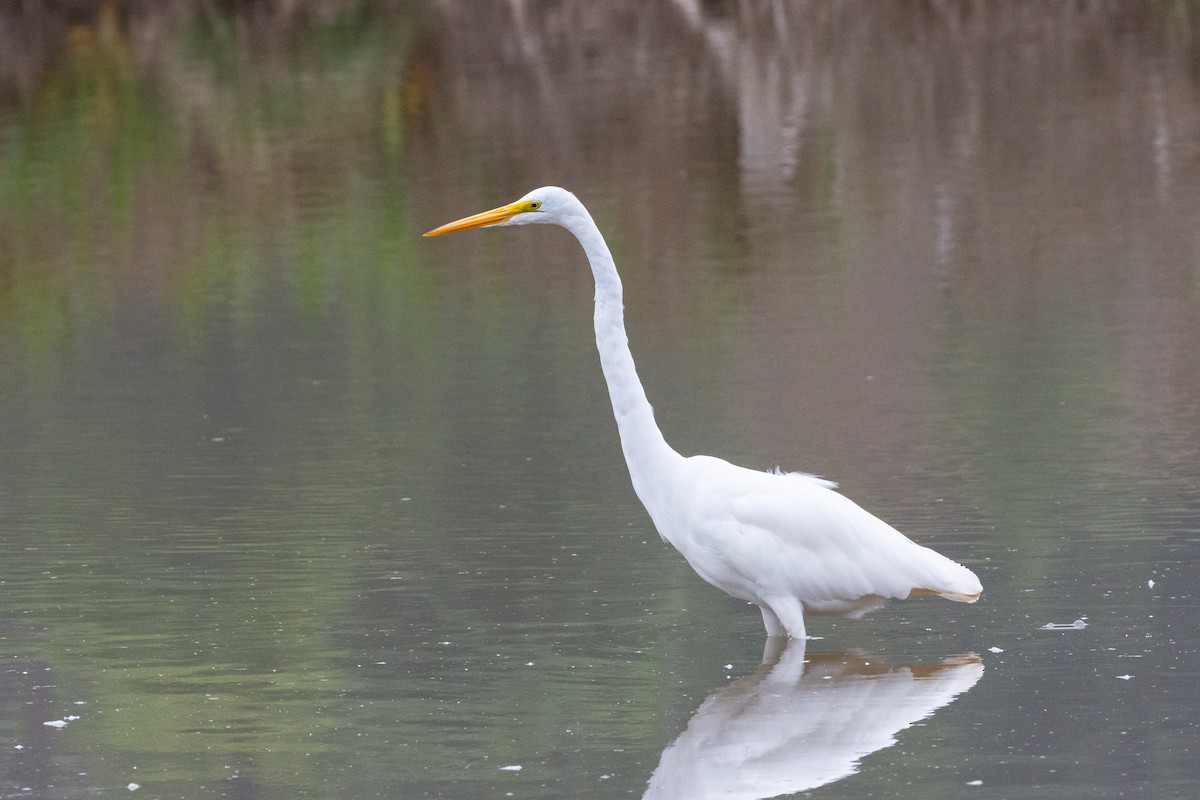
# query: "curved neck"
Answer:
x=646 y=451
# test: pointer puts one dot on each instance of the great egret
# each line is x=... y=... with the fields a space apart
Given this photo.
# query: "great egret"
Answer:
x=783 y=541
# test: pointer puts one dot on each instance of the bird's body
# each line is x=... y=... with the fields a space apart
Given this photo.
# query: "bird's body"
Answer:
x=784 y=541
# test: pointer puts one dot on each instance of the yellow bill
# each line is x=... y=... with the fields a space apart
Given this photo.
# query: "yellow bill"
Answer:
x=483 y=219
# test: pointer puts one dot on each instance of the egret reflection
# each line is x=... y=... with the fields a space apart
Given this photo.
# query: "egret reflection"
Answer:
x=797 y=723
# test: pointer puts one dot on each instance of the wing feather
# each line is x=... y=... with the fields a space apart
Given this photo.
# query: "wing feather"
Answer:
x=759 y=534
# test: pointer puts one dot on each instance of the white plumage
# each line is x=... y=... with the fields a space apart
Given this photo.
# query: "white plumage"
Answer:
x=784 y=541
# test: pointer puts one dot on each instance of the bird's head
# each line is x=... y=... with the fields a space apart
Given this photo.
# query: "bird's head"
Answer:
x=548 y=205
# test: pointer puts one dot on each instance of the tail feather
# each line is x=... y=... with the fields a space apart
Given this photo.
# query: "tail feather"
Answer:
x=960 y=598
x=961 y=584
x=955 y=596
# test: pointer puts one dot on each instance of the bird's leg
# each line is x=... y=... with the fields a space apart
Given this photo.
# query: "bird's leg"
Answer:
x=788 y=615
x=774 y=626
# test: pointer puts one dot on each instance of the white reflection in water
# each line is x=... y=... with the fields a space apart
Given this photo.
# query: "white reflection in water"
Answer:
x=797 y=723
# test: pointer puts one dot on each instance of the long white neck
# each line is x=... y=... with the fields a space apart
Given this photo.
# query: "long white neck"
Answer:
x=646 y=451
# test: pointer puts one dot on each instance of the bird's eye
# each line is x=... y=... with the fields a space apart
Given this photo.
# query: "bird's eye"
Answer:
x=534 y=205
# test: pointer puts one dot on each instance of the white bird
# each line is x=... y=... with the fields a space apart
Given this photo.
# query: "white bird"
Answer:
x=783 y=541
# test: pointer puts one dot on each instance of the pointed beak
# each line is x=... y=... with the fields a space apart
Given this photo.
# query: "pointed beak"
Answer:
x=480 y=220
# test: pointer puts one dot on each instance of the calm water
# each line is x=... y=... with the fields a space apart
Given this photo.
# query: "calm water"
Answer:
x=294 y=503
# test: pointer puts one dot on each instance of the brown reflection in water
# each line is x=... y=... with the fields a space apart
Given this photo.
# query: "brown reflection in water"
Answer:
x=1036 y=163
x=1026 y=158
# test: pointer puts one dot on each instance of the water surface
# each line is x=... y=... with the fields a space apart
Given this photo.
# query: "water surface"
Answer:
x=296 y=503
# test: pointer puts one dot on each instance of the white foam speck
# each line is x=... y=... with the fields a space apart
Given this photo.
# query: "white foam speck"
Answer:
x=512 y=768
x=995 y=649
x=56 y=723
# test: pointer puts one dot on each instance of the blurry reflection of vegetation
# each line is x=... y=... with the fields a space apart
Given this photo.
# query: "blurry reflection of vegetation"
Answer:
x=290 y=121
x=146 y=153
